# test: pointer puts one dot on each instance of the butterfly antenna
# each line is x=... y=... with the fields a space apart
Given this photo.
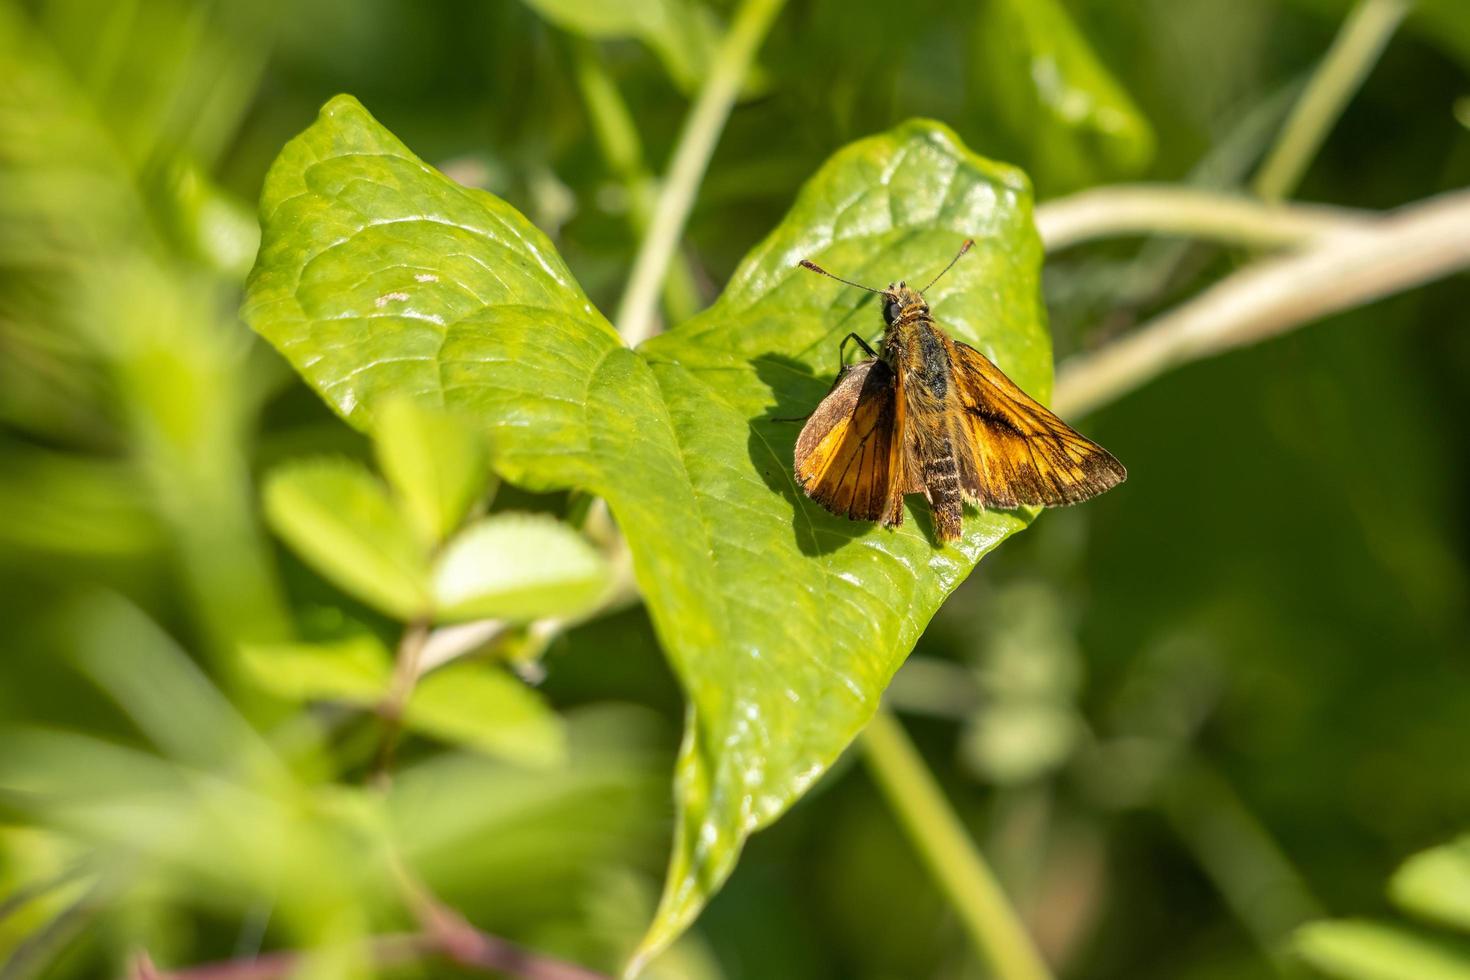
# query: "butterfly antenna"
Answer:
x=963 y=249
x=809 y=264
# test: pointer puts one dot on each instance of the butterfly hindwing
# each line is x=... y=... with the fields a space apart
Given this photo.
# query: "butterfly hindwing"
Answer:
x=1020 y=452
x=847 y=456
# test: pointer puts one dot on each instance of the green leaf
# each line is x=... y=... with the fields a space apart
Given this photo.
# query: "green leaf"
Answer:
x=518 y=566
x=1435 y=884
x=783 y=622
x=355 y=669
x=208 y=223
x=337 y=516
x=1054 y=103
x=485 y=708
x=683 y=33
x=436 y=462
x=1360 y=950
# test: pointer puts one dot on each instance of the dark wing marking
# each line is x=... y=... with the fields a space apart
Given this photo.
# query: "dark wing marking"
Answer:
x=1022 y=453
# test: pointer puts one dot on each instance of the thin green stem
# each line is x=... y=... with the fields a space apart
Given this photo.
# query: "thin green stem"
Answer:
x=612 y=122
x=1236 y=850
x=622 y=151
x=702 y=128
x=1163 y=209
x=1347 y=63
x=953 y=859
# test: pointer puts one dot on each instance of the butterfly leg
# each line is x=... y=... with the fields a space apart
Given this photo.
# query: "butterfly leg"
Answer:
x=842 y=366
x=842 y=351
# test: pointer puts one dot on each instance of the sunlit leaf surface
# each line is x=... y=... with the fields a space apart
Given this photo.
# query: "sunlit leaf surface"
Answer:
x=517 y=566
x=378 y=277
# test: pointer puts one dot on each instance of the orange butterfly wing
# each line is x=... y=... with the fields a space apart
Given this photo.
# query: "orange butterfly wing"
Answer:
x=1020 y=452
x=848 y=455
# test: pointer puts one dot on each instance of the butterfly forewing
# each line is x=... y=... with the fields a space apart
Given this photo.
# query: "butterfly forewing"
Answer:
x=1020 y=452
x=847 y=456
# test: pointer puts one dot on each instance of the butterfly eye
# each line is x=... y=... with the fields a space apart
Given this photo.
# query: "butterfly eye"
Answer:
x=891 y=308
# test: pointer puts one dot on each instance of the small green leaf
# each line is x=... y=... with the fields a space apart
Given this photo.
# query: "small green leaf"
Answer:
x=1435 y=884
x=517 y=566
x=208 y=223
x=379 y=277
x=435 y=460
x=1055 y=105
x=1361 y=950
x=338 y=517
x=355 y=669
x=485 y=708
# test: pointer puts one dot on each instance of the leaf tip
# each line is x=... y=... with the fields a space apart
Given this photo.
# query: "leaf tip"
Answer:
x=341 y=105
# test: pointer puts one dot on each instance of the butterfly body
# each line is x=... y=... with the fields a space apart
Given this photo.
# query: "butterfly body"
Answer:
x=922 y=358
x=934 y=416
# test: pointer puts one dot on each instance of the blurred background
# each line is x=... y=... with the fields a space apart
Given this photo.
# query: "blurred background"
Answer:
x=1227 y=699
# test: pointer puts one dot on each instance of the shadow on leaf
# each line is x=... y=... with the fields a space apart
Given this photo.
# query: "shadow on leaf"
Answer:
x=796 y=391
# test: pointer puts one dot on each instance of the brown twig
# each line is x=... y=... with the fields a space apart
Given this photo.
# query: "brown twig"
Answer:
x=450 y=938
x=383 y=951
x=1409 y=247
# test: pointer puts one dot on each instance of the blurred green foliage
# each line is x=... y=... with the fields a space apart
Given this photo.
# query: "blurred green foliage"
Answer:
x=1223 y=701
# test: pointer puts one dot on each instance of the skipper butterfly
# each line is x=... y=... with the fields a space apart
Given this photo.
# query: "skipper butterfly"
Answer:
x=935 y=416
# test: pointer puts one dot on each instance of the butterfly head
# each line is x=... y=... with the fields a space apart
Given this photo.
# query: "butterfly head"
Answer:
x=902 y=303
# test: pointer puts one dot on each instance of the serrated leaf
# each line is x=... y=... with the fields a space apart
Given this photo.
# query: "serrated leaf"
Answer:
x=436 y=462
x=783 y=622
x=1055 y=104
x=1435 y=884
x=517 y=566
x=355 y=669
x=1361 y=950
x=485 y=708
x=338 y=518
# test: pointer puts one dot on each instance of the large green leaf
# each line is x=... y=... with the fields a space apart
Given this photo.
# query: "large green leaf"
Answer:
x=1051 y=100
x=378 y=276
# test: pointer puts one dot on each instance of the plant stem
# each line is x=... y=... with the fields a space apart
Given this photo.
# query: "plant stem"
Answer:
x=1163 y=209
x=1414 y=245
x=702 y=128
x=467 y=948
x=405 y=676
x=1347 y=63
x=957 y=865
x=622 y=151
x=1236 y=851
